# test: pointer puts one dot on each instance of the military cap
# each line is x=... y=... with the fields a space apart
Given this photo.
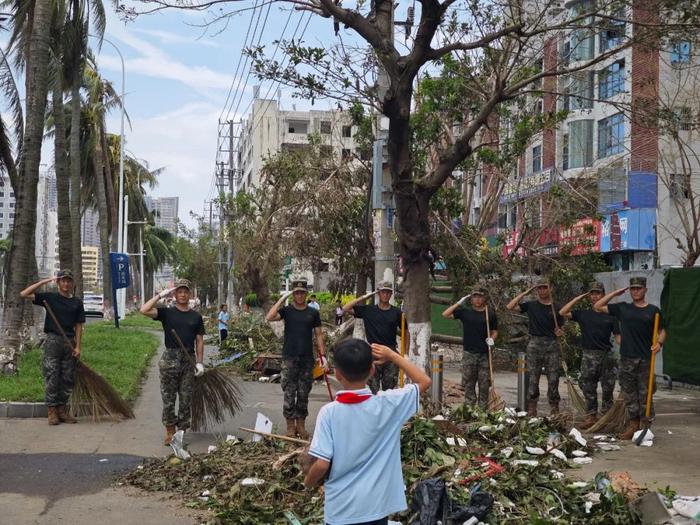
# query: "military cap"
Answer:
x=299 y=286
x=638 y=282
x=183 y=283
x=596 y=286
x=385 y=285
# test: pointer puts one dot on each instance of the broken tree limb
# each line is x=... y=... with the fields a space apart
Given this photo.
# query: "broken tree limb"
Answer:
x=274 y=436
x=447 y=339
x=436 y=299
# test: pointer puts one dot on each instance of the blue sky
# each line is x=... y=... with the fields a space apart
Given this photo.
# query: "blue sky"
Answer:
x=177 y=79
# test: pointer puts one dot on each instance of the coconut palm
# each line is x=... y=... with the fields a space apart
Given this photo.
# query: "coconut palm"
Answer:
x=21 y=255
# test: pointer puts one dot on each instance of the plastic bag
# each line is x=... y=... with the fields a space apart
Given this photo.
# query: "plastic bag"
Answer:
x=428 y=501
x=479 y=506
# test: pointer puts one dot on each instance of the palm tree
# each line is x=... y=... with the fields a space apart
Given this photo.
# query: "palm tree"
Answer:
x=22 y=251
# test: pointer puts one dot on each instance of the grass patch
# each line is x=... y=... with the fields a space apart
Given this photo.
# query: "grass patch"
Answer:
x=136 y=321
x=120 y=356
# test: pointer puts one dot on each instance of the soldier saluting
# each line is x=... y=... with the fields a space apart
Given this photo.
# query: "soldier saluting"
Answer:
x=598 y=362
x=176 y=371
x=542 y=348
x=301 y=324
x=59 y=358
x=637 y=327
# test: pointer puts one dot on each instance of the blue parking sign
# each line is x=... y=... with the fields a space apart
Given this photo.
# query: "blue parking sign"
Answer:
x=119 y=263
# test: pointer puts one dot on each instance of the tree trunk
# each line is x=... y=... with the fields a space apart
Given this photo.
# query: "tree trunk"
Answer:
x=109 y=187
x=65 y=233
x=22 y=249
x=104 y=226
x=75 y=170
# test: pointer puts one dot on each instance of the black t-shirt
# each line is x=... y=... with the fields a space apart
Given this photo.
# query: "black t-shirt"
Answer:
x=596 y=329
x=188 y=325
x=474 y=331
x=68 y=310
x=636 y=327
x=540 y=318
x=298 y=331
x=380 y=325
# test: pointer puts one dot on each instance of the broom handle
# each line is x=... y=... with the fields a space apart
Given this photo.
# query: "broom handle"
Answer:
x=58 y=325
x=654 y=338
x=182 y=346
x=275 y=436
x=403 y=347
x=488 y=334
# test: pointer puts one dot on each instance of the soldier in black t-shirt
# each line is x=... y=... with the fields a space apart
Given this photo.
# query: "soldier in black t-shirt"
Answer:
x=301 y=323
x=478 y=338
x=59 y=357
x=382 y=321
x=598 y=362
x=544 y=326
x=176 y=371
x=637 y=327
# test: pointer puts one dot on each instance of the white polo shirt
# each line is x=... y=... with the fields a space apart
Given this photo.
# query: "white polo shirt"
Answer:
x=362 y=440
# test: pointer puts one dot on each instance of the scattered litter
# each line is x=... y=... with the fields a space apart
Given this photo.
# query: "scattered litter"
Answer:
x=558 y=454
x=583 y=461
x=485 y=428
x=600 y=437
x=439 y=417
x=588 y=506
x=231 y=437
x=211 y=448
x=263 y=424
x=648 y=438
x=528 y=462
x=578 y=437
x=104 y=460
x=607 y=447
x=578 y=484
x=557 y=474
x=507 y=452
x=205 y=493
x=622 y=483
x=252 y=482
x=460 y=441
x=263 y=379
x=534 y=421
x=510 y=411
x=536 y=451
x=688 y=506
x=178 y=445
x=579 y=453
x=521 y=414
x=207 y=477
x=510 y=421
x=140 y=467
x=669 y=432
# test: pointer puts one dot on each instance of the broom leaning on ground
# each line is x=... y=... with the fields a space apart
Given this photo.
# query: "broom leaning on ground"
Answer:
x=215 y=394
x=575 y=396
x=92 y=395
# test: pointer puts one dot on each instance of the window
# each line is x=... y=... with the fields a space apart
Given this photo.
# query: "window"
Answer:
x=566 y=52
x=2 y=193
x=611 y=80
x=364 y=153
x=12 y=194
x=565 y=152
x=2 y=204
x=347 y=131
x=507 y=216
x=325 y=127
x=612 y=186
x=580 y=90
x=680 y=52
x=683 y=118
x=346 y=154
x=536 y=159
x=611 y=135
x=12 y=205
x=611 y=36
x=1 y=215
x=539 y=107
x=12 y=215
x=678 y=186
x=580 y=144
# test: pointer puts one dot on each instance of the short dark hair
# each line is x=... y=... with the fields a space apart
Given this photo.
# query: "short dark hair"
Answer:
x=353 y=357
x=313 y=296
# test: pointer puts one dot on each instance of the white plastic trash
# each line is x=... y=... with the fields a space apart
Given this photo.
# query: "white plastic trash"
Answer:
x=579 y=453
x=251 y=482
x=583 y=461
x=177 y=443
x=687 y=506
x=648 y=438
x=212 y=448
x=536 y=451
x=558 y=454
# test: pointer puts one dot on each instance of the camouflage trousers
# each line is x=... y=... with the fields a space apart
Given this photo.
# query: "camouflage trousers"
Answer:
x=385 y=377
x=543 y=352
x=634 y=381
x=297 y=379
x=58 y=369
x=598 y=366
x=176 y=383
x=475 y=370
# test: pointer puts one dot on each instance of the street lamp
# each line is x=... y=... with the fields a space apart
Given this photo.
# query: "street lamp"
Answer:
x=121 y=240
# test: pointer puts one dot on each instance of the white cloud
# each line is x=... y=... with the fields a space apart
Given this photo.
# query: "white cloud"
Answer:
x=167 y=37
x=183 y=142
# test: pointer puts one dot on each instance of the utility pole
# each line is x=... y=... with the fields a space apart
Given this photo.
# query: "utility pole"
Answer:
x=231 y=171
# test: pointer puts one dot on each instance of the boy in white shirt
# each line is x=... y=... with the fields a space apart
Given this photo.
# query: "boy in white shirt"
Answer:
x=357 y=438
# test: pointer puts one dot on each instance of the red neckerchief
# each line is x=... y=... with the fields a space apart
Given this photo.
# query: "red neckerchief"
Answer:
x=351 y=398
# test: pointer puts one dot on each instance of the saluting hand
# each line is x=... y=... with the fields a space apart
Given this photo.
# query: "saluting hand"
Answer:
x=619 y=292
x=381 y=354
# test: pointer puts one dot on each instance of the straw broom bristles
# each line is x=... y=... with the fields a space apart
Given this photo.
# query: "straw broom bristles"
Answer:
x=575 y=397
x=613 y=421
x=215 y=394
x=92 y=395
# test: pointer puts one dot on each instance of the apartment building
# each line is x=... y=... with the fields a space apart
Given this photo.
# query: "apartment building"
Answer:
x=91 y=258
x=165 y=210
x=268 y=130
x=630 y=164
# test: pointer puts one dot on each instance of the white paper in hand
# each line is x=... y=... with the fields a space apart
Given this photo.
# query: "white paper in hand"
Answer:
x=263 y=424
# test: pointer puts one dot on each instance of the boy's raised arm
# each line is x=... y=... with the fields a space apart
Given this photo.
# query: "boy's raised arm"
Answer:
x=383 y=354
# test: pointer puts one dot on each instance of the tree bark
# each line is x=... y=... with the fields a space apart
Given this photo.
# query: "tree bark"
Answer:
x=22 y=250
x=65 y=233
x=104 y=226
x=75 y=170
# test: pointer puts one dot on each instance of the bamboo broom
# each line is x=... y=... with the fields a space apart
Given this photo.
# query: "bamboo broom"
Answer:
x=495 y=401
x=575 y=396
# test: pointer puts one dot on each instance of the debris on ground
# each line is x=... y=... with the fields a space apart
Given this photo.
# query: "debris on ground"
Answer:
x=251 y=346
x=476 y=457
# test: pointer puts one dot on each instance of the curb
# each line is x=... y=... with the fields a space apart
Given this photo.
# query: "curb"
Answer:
x=12 y=409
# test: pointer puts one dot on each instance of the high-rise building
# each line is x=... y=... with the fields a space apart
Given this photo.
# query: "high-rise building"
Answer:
x=165 y=210
x=269 y=130
x=46 y=240
x=90 y=228
x=91 y=257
